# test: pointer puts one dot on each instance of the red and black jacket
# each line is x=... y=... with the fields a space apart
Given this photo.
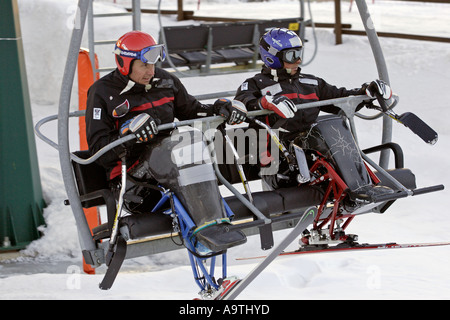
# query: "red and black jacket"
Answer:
x=300 y=88
x=114 y=99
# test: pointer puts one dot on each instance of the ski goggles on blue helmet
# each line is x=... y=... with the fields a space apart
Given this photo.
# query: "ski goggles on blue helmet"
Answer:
x=292 y=55
x=280 y=45
x=149 y=55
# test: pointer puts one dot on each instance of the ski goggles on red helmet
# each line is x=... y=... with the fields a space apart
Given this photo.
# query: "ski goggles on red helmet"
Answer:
x=292 y=55
x=147 y=55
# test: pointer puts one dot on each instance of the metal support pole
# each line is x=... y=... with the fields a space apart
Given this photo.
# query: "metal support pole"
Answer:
x=136 y=6
x=91 y=40
x=302 y=10
x=84 y=234
x=382 y=72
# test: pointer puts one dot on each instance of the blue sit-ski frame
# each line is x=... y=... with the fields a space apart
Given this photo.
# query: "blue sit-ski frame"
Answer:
x=204 y=279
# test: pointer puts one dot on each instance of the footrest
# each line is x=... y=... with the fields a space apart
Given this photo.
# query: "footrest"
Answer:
x=101 y=232
x=389 y=197
x=219 y=237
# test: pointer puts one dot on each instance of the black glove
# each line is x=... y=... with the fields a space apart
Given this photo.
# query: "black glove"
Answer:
x=234 y=111
x=143 y=125
x=281 y=105
x=378 y=87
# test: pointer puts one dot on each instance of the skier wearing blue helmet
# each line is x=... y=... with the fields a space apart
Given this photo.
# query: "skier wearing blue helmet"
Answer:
x=280 y=45
x=280 y=86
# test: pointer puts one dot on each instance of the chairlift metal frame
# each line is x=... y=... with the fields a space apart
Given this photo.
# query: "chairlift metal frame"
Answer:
x=88 y=246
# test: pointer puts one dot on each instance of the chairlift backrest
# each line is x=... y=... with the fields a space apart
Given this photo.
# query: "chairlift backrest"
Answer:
x=89 y=178
x=186 y=38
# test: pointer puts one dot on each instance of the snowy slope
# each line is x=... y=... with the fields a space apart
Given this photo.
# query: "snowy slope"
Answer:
x=419 y=73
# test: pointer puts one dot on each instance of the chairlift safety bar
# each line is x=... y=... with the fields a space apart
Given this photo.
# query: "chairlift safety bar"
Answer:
x=347 y=105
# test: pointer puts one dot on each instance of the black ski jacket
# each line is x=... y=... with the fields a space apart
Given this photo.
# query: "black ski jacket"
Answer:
x=114 y=99
x=300 y=88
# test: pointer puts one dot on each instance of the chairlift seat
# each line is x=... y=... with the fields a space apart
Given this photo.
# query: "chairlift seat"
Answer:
x=94 y=190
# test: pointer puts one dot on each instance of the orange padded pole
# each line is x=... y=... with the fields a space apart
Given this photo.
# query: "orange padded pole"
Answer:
x=85 y=80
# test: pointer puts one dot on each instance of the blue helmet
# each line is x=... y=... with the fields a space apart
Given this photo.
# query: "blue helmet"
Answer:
x=278 y=45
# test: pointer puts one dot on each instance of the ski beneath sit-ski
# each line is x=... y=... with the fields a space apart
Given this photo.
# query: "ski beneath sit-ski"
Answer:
x=356 y=247
x=237 y=286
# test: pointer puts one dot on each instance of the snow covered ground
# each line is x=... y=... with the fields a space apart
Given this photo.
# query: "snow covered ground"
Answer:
x=50 y=267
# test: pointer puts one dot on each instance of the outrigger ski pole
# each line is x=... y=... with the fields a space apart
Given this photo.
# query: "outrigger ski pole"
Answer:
x=117 y=245
x=265 y=231
x=411 y=121
x=275 y=139
x=239 y=167
x=299 y=159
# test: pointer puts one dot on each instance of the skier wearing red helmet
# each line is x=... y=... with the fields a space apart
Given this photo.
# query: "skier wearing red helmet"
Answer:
x=137 y=45
x=136 y=97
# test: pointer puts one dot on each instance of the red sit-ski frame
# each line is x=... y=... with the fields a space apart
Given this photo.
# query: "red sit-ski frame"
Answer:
x=337 y=189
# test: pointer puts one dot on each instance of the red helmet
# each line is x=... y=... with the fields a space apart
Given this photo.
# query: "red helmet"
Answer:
x=137 y=45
